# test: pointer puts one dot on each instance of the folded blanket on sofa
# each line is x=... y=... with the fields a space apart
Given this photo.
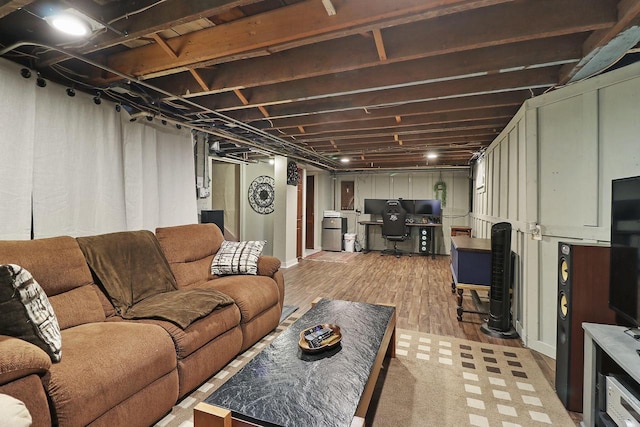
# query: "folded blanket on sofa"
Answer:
x=136 y=276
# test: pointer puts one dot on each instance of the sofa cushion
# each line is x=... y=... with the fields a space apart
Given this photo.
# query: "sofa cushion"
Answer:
x=252 y=294
x=59 y=266
x=78 y=306
x=105 y=364
x=237 y=258
x=189 y=250
x=26 y=311
x=200 y=332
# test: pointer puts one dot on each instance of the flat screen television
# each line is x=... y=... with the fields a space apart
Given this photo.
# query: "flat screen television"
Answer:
x=624 y=273
x=431 y=207
x=374 y=206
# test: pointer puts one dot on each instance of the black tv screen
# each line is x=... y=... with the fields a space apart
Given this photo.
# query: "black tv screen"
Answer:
x=374 y=206
x=624 y=273
x=428 y=207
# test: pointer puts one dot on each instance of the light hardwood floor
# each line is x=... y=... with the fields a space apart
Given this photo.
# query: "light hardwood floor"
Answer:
x=419 y=287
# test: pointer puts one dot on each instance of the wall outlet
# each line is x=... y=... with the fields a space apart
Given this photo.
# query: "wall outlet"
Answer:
x=537 y=233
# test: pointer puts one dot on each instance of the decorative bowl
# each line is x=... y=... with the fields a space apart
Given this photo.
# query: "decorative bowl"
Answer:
x=328 y=343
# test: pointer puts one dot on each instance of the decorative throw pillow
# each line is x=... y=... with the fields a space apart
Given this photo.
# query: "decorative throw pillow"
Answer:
x=26 y=311
x=237 y=258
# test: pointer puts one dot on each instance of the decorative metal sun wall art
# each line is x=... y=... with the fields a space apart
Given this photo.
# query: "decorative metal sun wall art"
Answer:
x=262 y=194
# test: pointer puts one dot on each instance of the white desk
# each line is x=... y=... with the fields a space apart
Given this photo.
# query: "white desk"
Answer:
x=620 y=347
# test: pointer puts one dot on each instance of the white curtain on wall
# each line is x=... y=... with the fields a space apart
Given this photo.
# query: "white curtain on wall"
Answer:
x=17 y=116
x=159 y=177
x=78 y=166
x=81 y=170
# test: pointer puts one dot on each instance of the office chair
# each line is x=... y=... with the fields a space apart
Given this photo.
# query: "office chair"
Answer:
x=394 y=228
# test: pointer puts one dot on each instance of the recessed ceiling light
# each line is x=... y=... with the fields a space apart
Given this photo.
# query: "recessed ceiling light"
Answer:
x=69 y=24
x=73 y=22
x=344 y=160
x=432 y=156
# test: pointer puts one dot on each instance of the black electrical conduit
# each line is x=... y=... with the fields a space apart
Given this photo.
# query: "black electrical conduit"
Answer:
x=323 y=163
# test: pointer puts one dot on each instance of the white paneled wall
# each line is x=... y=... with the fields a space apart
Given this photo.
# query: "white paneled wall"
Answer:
x=552 y=166
x=408 y=185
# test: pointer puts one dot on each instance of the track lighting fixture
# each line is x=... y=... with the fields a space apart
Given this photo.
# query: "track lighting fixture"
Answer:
x=178 y=126
x=40 y=81
x=132 y=119
x=71 y=92
x=25 y=72
x=118 y=108
x=164 y=122
x=96 y=99
x=149 y=118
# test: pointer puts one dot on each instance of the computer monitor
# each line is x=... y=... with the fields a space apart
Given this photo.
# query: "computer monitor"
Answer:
x=408 y=205
x=374 y=206
x=431 y=207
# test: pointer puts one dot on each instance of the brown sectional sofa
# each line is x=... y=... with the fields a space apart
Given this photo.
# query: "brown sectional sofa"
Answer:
x=131 y=372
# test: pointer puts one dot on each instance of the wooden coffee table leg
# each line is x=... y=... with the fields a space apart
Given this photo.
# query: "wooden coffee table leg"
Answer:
x=205 y=415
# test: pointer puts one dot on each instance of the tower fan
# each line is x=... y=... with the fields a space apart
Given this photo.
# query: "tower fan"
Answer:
x=499 y=323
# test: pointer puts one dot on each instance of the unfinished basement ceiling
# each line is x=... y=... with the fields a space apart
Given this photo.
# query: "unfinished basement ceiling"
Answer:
x=381 y=83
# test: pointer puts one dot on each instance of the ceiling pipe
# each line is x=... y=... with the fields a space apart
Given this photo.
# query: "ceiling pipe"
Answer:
x=327 y=164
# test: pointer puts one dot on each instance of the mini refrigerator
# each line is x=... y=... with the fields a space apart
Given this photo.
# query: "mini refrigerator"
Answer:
x=333 y=230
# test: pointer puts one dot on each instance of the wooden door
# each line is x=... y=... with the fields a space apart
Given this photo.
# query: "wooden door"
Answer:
x=310 y=216
x=299 y=216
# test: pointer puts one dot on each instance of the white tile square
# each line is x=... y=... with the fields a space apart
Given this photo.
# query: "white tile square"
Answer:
x=445 y=351
x=248 y=353
x=478 y=420
x=541 y=417
x=405 y=337
x=532 y=400
x=445 y=361
x=497 y=381
x=188 y=423
x=507 y=410
x=422 y=356
x=425 y=340
x=187 y=402
x=235 y=363
x=404 y=344
x=444 y=344
x=424 y=348
x=221 y=375
x=475 y=403
x=524 y=386
x=472 y=389
x=401 y=352
x=503 y=395
x=259 y=345
x=469 y=376
x=508 y=424
x=205 y=387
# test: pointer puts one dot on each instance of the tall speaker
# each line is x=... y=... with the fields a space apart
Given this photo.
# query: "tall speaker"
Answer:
x=499 y=322
x=583 y=296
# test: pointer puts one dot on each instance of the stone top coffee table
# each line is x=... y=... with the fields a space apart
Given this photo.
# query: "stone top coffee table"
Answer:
x=283 y=386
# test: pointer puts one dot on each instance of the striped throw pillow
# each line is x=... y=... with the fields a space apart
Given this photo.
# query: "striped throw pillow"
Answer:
x=237 y=258
x=26 y=311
